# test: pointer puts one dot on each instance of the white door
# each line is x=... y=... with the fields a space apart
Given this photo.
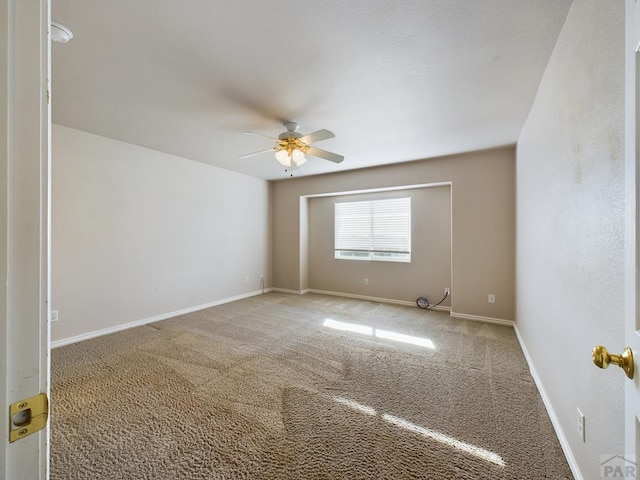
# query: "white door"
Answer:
x=24 y=227
x=632 y=309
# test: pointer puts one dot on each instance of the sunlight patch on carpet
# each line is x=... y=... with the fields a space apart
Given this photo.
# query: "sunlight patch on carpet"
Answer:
x=446 y=439
x=425 y=432
x=355 y=406
x=376 y=332
x=348 y=327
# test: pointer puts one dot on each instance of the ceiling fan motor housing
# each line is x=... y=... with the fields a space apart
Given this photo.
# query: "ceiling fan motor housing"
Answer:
x=292 y=131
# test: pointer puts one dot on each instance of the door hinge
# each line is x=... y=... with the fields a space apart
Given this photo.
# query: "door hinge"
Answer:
x=28 y=416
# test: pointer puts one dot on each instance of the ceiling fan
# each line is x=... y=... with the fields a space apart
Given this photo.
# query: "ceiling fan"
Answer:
x=291 y=147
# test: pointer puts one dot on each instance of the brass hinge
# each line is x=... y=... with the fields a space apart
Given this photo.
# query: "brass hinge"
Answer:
x=28 y=416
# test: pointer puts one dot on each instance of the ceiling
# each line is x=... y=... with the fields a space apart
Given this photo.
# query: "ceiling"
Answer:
x=395 y=80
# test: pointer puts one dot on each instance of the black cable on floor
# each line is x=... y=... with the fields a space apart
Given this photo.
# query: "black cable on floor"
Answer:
x=423 y=302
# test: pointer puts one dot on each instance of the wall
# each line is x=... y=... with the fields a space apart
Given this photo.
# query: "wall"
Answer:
x=138 y=234
x=429 y=272
x=482 y=230
x=570 y=228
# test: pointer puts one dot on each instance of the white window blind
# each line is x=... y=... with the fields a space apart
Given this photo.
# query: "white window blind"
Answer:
x=374 y=229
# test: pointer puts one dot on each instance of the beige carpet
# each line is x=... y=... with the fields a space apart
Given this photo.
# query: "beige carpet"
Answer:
x=301 y=387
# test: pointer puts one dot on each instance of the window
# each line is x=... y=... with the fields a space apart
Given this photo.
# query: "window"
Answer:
x=374 y=230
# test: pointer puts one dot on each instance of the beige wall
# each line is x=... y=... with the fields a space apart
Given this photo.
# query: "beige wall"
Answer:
x=482 y=230
x=429 y=272
x=137 y=233
x=570 y=249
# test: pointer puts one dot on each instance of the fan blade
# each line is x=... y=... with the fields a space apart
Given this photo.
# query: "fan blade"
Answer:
x=332 y=157
x=255 y=153
x=316 y=136
x=262 y=135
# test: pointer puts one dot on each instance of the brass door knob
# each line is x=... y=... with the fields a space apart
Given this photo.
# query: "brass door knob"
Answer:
x=602 y=358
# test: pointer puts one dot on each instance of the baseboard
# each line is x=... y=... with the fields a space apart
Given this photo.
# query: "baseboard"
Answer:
x=286 y=290
x=478 y=318
x=373 y=299
x=564 y=443
x=157 y=318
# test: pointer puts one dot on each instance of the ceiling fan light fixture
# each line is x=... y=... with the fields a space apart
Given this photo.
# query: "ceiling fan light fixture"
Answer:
x=298 y=157
x=283 y=158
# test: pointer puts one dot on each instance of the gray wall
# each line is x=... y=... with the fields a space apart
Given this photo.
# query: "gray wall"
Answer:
x=570 y=229
x=482 y=230
x=137 y=233
x=429 y=272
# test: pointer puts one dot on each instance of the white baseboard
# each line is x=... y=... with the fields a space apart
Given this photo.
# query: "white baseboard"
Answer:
x=478 y=318
x=564 y=443
x=156 y=318
x=286 y=290
x=374 y=299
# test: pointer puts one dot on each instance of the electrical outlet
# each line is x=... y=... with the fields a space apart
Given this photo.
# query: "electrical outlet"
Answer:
x=491 y=298
x=580 y=424
x=366 y=281
x=447 y=291
x=54 y=315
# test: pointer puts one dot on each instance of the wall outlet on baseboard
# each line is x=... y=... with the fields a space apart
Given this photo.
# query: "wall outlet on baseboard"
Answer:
x=366 y=281
x=54 y=315
x=580 y=424
x=491 y=298
x=447 y=291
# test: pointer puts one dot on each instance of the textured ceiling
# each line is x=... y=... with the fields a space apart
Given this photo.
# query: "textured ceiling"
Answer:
x=394 y=80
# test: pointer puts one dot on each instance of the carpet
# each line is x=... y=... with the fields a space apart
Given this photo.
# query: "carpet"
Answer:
x=288 y=387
